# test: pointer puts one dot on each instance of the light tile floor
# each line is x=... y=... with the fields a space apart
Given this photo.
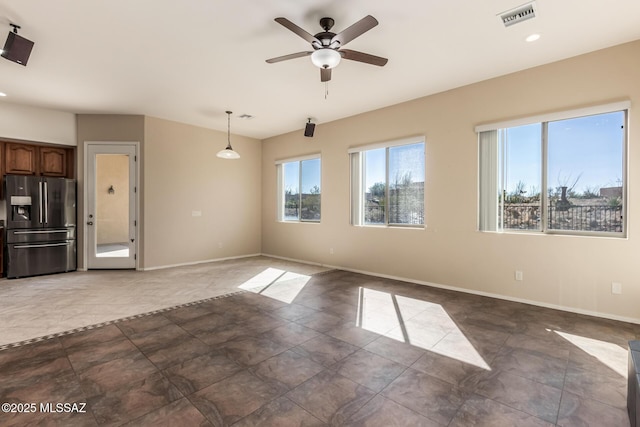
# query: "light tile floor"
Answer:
x=307 y=347
x=37 y=306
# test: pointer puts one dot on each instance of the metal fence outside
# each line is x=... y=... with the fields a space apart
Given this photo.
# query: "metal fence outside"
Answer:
x=523 y=216
x=398 y=214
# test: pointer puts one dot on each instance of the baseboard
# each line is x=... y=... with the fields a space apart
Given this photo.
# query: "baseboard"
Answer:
x=470 y=291
x=161 y=267
x=300 y=261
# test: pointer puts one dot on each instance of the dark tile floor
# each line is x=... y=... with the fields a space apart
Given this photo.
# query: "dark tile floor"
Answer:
x=344 y=349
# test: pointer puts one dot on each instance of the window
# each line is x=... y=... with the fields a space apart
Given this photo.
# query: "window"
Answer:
x=565 y=174
x=388 y=183
x=299 y=189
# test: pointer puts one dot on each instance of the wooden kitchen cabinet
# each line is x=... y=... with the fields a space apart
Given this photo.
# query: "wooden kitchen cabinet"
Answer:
x=53 y=161
x=32 y=159
x=20 y=159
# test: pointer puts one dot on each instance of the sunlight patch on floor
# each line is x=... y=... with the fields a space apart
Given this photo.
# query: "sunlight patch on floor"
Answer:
x=420 y=323
x=277 y=284
x=611 y=355
x=115 y=250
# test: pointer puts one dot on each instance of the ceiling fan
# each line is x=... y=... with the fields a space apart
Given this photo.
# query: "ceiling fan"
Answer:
x=327 y=46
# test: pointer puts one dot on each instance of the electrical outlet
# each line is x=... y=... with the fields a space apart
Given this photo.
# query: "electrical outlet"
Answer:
x=518 y=275
x=220 y=245
x=196 y=213
x=616 y=288
x=331 y=251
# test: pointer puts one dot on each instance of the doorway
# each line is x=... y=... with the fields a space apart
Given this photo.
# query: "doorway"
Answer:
x=111 y=205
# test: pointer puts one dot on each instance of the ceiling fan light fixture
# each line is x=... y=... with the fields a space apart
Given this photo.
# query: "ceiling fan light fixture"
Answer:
x=326 y=58
x=228 y=153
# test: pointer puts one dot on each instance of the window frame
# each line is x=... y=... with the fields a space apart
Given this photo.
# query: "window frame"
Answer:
x=484 y=154
x=357 y=182
x=280 y=199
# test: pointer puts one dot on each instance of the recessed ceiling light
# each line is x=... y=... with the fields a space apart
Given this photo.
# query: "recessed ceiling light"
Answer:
x=3 y=94
x=533 y=37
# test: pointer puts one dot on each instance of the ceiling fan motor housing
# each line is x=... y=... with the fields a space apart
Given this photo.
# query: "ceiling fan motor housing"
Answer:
x=326 y=36
x=327 y=23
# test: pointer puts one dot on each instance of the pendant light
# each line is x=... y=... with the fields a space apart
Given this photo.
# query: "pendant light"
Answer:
x=228 y=152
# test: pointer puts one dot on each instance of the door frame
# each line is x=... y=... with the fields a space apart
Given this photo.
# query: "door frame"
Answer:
x=136 y=146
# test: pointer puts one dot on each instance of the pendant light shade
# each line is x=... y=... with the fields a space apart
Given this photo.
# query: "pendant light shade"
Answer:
x=228 y=152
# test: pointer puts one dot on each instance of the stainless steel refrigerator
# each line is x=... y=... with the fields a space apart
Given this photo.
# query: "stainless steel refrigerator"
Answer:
x=40 y=225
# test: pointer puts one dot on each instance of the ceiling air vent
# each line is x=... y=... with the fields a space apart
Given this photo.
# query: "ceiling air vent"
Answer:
x=519 y=14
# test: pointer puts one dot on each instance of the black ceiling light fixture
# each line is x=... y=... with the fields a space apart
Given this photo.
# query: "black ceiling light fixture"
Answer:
x=17 y=49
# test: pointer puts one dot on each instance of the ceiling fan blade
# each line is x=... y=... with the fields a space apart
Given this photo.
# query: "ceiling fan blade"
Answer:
x=357 y=29
x=354 y=55
x=325 y=74
x=299 y=31
x=286 y=57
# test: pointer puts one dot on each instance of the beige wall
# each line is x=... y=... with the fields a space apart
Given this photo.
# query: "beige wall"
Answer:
x=183 y=176
x=112 y=218
x=572 y=272
x=179 y=174
x=37 y=124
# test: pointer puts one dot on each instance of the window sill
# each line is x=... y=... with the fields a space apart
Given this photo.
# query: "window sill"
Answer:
x=561 y=233
x=393 y=226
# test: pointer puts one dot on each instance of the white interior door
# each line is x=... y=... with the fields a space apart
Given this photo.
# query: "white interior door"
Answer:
x=110 y=214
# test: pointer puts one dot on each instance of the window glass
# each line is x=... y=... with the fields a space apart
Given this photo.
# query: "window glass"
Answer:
x=390 y=189
x=299 y=190
x=585 y=173
x=406 y=184
x=522 y=176
x=375 y=187
x=310 y=195
x=291 y=191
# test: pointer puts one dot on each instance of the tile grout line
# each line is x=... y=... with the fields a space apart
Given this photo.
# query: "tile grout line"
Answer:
x=111 y=322
x=562 y=394
x=78 y=379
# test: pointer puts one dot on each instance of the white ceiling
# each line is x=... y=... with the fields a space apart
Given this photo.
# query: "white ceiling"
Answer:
x=190 y=60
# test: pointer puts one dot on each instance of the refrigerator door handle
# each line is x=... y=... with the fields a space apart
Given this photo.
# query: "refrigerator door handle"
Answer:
x=50 y=245
x=46 y=202
x=40 y=213
x=41 y=232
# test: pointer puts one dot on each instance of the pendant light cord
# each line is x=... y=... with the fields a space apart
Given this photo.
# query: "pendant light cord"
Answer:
x=229 y=130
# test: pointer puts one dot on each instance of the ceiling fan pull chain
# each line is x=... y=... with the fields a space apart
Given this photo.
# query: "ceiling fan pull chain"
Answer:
x=326 y=89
